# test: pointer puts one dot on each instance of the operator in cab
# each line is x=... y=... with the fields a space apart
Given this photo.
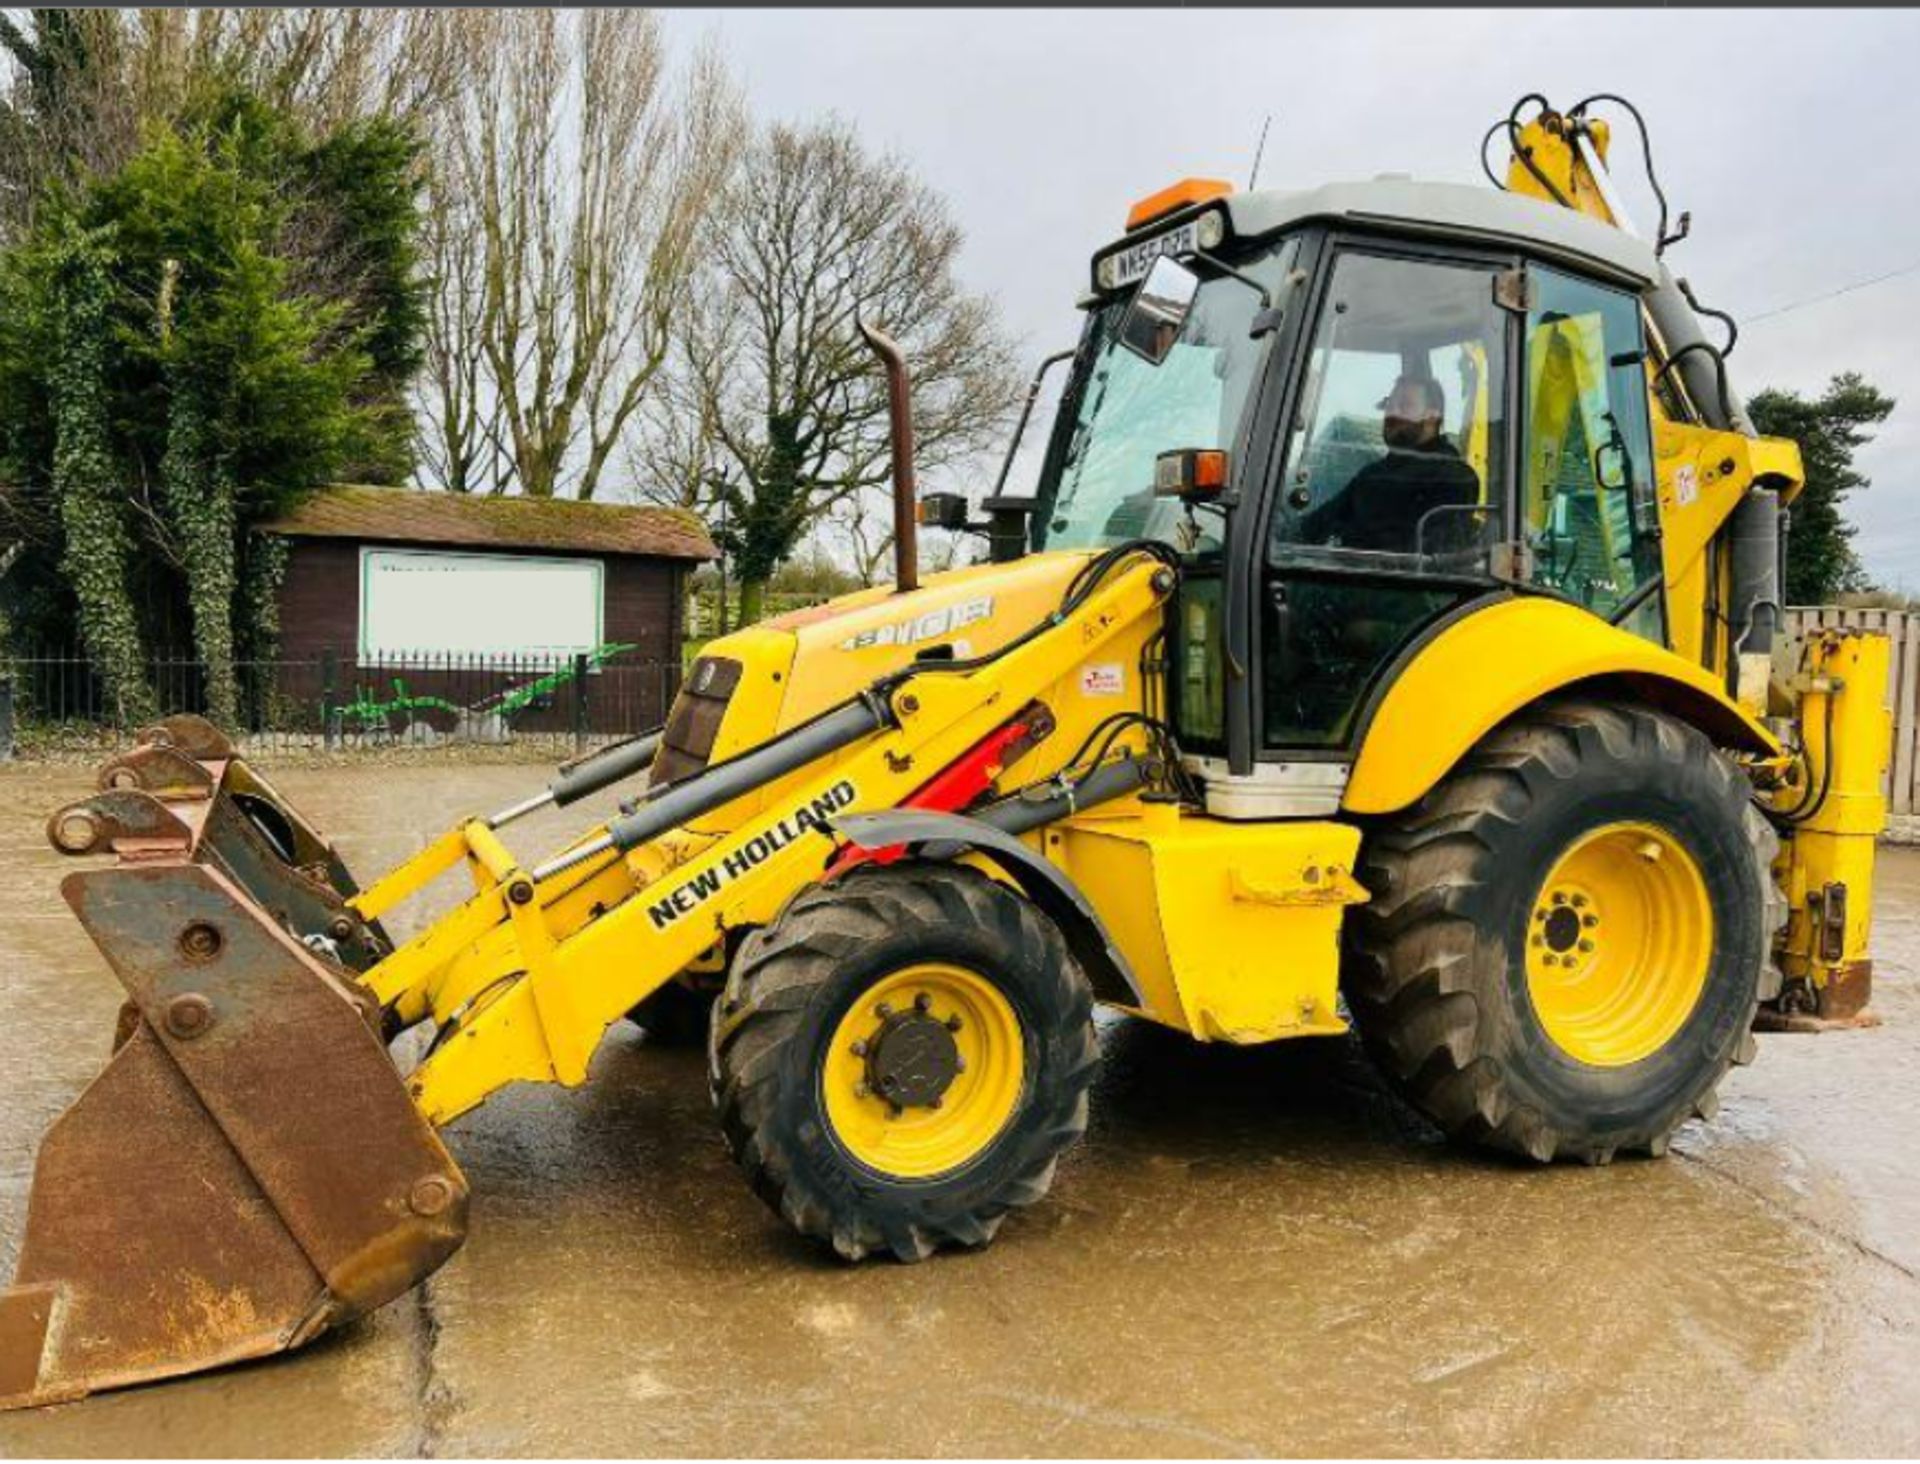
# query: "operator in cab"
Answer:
x=1386 y=504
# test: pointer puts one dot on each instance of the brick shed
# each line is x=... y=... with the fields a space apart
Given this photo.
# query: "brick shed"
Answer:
x=460 y=598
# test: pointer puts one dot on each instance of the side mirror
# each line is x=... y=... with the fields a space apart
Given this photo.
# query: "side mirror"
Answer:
x=1159 y=309
x=943 y=511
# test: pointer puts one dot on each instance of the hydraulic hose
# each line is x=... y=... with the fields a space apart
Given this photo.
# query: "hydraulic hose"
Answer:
x=1050 y=801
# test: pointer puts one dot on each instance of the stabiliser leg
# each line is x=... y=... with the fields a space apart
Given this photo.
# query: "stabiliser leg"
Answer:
x=247 y=1172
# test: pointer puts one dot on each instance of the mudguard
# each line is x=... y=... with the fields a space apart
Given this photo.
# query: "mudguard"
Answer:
x=1450 y=690
x=949 y=835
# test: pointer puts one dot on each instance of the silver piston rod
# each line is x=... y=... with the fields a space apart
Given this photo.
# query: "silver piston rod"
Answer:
x=589 y=775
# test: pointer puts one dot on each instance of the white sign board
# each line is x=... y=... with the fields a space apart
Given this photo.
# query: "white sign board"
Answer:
x=431 y=602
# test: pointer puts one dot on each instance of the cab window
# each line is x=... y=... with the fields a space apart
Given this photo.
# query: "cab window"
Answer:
x=1394 y=457
x=1394 y=488
x=1589 y=508
x=1123 y=411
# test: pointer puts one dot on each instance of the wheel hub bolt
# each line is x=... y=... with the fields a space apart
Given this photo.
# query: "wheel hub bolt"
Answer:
x=859 y=1048
x=1589 y=921
x=883 y=1010
x=1586 y=945
x=954 y=1023
x=922 y=1002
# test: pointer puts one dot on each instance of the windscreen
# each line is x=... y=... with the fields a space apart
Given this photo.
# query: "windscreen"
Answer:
x=1122 y=412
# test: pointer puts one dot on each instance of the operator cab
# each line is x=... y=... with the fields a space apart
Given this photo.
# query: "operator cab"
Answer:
x=1409 y=397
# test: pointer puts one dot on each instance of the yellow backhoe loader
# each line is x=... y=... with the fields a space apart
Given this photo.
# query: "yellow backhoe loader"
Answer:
x=1394 y=638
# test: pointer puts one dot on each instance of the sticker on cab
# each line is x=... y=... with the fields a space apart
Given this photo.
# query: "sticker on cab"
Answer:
x=1103 y=678
x=1686 y=485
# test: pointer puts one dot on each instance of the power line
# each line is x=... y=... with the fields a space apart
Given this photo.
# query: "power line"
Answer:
x=1892 y=274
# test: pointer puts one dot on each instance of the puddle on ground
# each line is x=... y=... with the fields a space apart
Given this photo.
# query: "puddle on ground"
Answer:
x=1254 y=1252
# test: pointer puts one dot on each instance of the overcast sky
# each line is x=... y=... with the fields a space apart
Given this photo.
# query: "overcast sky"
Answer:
x=1788 y=135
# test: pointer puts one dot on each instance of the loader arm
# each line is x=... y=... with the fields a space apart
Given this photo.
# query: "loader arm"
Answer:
x=523 y=982
x=250 y=1079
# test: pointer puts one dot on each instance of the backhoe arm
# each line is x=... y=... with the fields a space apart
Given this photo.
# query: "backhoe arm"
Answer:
x=1724 y=490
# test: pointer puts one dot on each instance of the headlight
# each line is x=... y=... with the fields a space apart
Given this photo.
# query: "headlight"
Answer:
x=694 y=723
x=1213 y=228
x=1107 y=271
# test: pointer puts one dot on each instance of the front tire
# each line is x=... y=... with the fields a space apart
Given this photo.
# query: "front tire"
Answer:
x=1569 y=935
x=900 y=1059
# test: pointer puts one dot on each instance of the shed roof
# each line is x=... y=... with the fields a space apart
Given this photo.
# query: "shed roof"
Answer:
x=495 y=521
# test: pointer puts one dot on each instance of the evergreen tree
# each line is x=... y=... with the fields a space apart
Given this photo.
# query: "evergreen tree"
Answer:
x=255 y=317
x=1831 y=428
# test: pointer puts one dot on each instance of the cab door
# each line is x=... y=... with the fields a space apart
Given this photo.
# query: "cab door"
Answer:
x=1589 y=512
x=1393 y=493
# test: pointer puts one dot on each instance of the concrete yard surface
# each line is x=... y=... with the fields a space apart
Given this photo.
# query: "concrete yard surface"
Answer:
x=1254 y=1251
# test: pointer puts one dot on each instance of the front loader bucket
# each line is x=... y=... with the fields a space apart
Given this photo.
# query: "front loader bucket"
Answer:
x=249 y=1169
x=183 y=791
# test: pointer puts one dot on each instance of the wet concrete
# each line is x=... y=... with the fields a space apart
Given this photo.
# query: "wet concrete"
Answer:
x=1254 y=1252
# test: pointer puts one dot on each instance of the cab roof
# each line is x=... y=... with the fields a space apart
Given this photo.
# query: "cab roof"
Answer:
x=1457 y=211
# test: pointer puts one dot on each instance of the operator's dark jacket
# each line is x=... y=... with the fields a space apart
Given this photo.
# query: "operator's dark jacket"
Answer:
x=1383 y=504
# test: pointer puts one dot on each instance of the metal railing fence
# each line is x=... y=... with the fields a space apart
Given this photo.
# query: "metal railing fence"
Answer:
x=332 y=703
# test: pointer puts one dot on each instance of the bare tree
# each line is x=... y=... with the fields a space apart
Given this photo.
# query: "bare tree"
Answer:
x=461 y=438
x=589 y=169
x=814 y=231
x=863 y=524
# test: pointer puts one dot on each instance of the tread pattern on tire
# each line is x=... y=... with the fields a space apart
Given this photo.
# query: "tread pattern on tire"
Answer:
x=1412 y=946
x=776 y=976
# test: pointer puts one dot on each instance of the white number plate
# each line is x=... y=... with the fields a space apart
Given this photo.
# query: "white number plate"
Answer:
x=1133 y=262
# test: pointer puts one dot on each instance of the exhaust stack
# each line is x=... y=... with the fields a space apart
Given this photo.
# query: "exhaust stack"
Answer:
x=906 y=548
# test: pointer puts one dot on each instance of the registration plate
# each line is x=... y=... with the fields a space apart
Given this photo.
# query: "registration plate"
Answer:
x=1133 y=262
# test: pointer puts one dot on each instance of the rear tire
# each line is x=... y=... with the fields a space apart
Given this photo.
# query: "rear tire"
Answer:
x=1481 y=976
x=940 y=986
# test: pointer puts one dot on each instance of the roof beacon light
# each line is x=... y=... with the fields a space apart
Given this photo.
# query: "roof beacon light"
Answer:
x=1180 y=195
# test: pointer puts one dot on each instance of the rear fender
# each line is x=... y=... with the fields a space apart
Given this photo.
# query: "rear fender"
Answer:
x=1449 y=691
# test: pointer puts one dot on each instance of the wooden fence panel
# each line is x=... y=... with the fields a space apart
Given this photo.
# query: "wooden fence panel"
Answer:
x=1902 y=627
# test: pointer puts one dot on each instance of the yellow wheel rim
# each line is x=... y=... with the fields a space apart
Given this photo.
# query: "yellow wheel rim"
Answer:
x=1619 y=939
x=924 y=1072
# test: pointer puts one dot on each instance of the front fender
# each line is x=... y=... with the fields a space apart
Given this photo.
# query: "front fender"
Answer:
x=933 y=835
x=1450 y=691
